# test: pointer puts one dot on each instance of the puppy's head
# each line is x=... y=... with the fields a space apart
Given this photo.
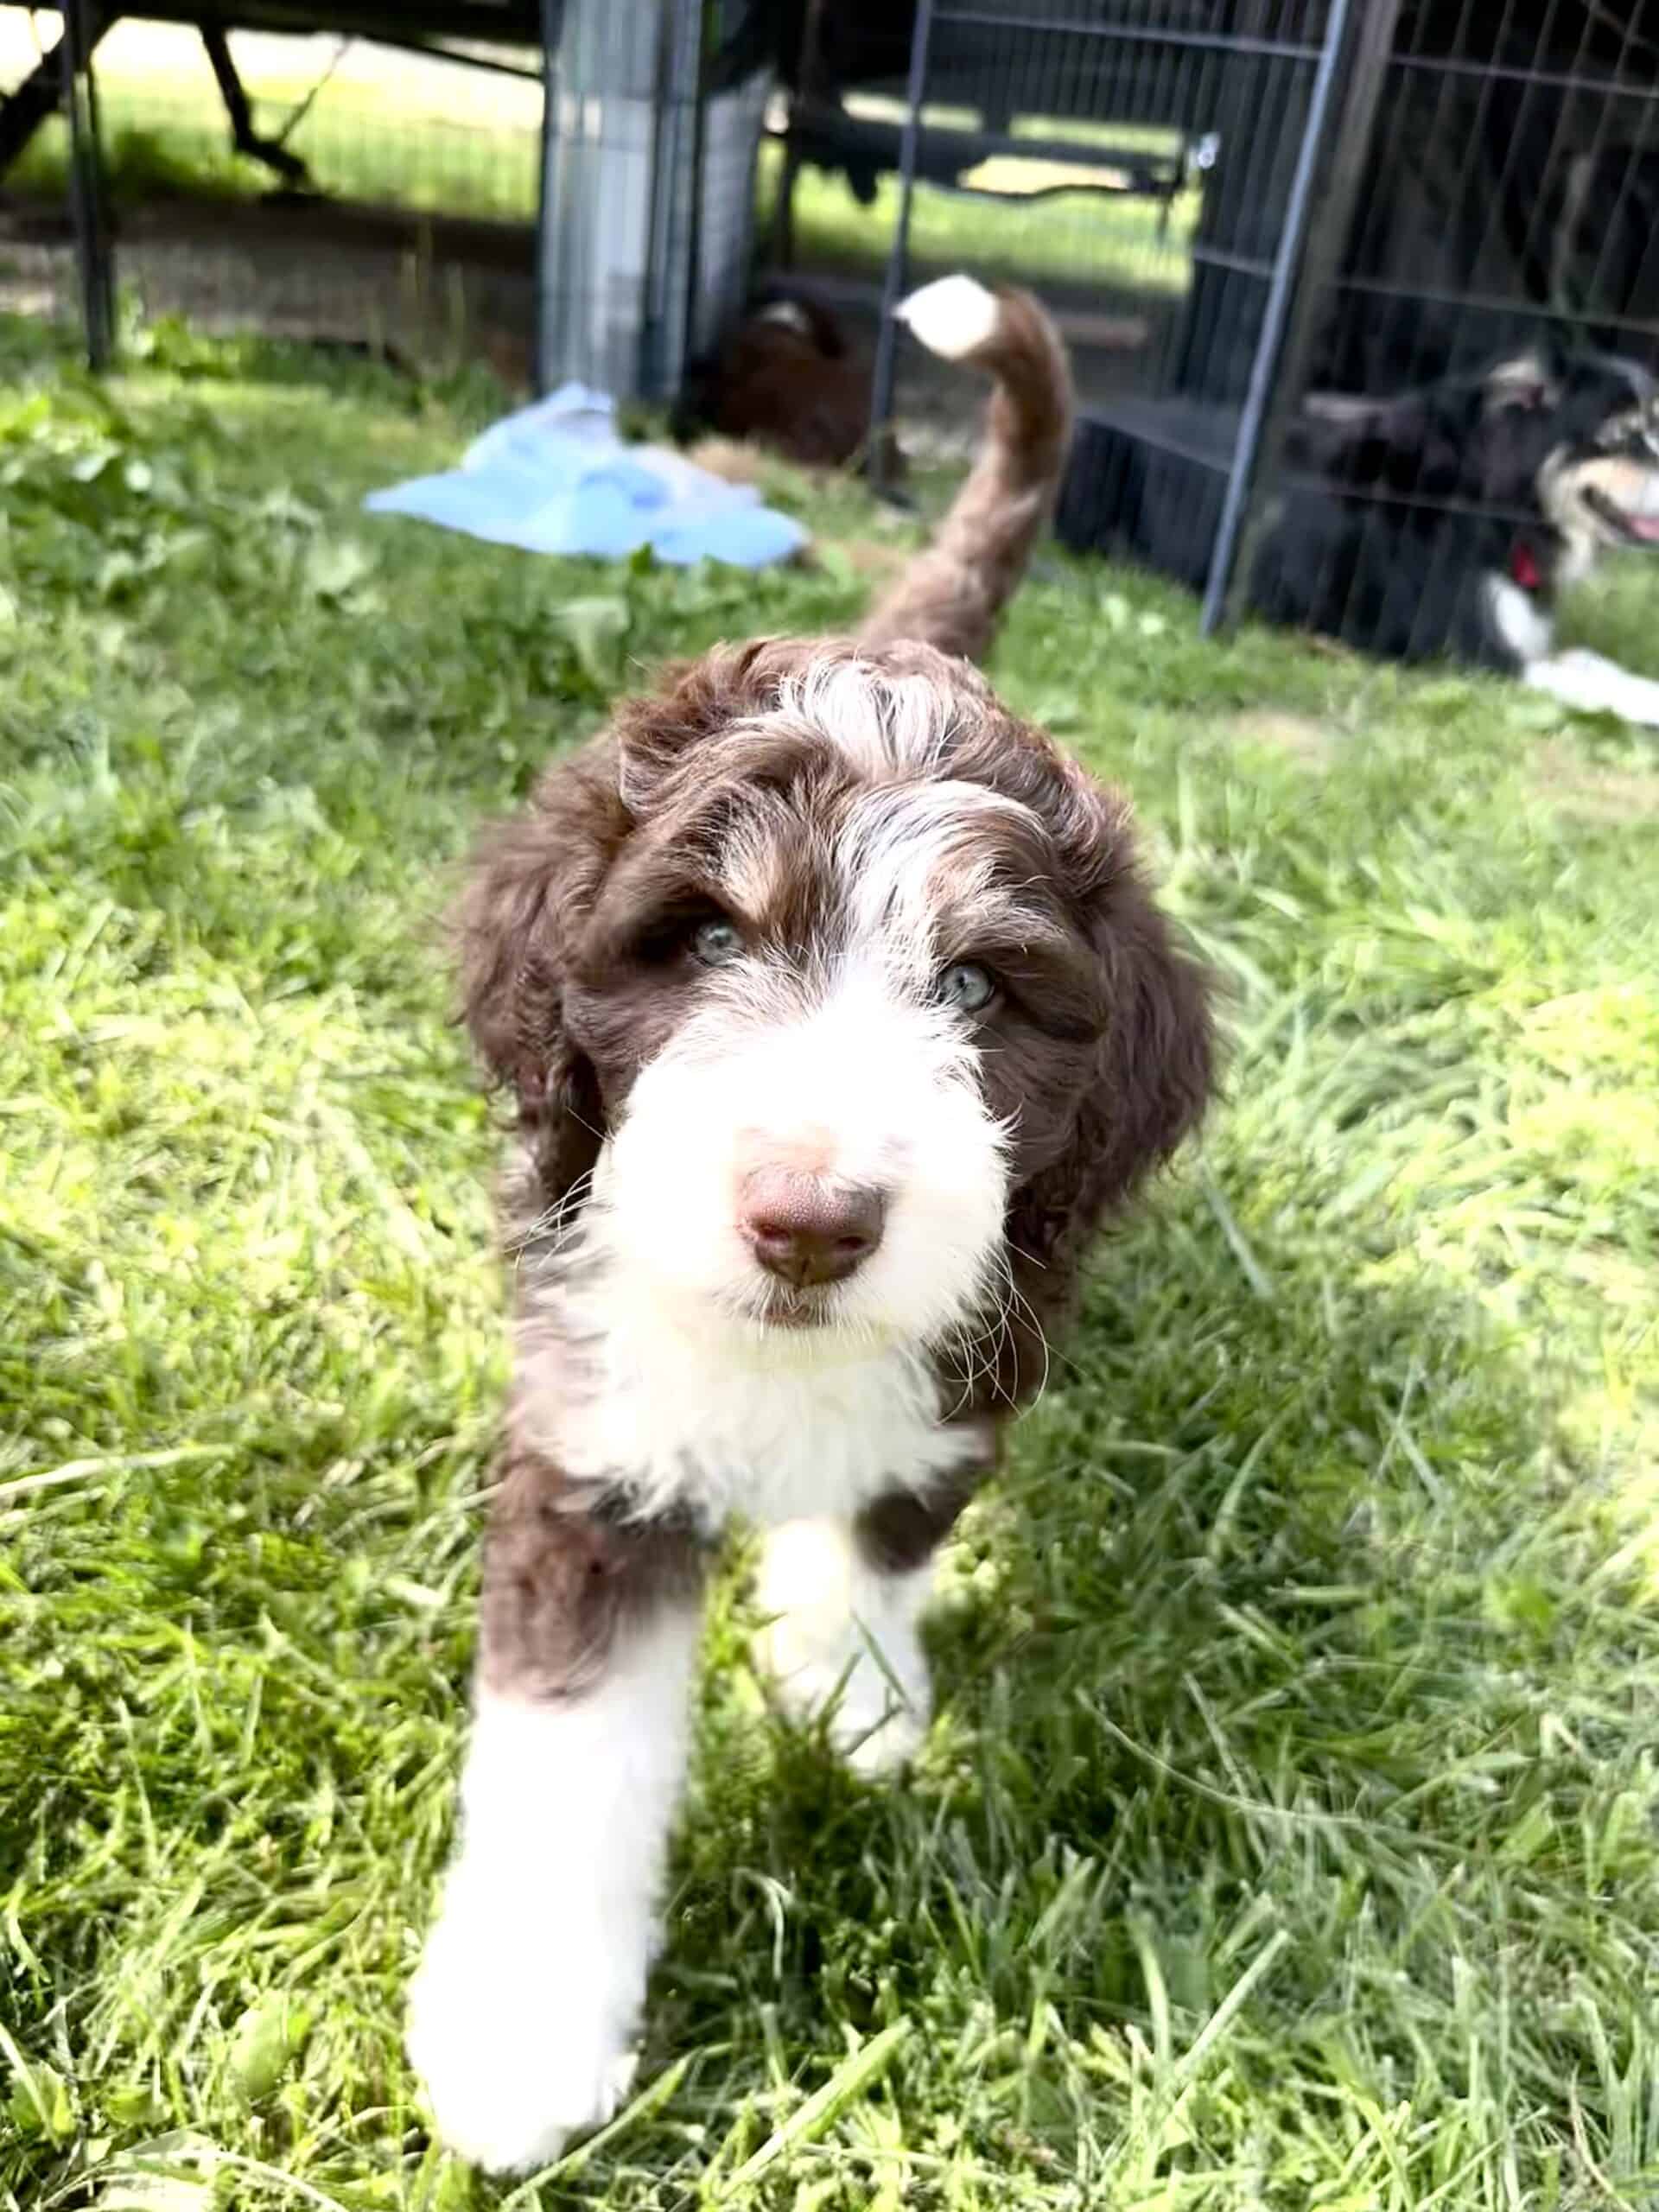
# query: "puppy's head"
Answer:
x=838 y=984
x=1601 y=483
x=1574 y=437
x=1579 y=432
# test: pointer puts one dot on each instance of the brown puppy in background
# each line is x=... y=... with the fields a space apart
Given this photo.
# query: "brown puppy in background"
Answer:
x=836 y=1014
x=785 y=379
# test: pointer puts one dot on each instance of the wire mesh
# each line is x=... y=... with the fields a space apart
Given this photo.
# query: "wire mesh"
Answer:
x=422 y=193
x=1253 y=208
x=379 y=195
x=1515 y=186
x=1507 y=232
x=650 y=189
x=1137 y=160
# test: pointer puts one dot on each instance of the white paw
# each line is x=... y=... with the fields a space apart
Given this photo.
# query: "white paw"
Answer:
x=521 y=2044
x=874 y=1726
x=843 y=1642
x=1595 y=685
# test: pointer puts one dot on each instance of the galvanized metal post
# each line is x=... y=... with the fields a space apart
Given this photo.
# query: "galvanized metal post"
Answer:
x=689 y=336
x=892 y=290
x=1270 y=342
x=547 y=197
x=86 y=181
x=650 y=374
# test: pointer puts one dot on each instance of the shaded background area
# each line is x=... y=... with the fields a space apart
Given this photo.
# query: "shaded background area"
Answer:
x=410 y=226
x=1228 y=204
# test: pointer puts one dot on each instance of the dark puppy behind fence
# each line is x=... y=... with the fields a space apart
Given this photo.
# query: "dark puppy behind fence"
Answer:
x=1444 y=522
x=1449 y=521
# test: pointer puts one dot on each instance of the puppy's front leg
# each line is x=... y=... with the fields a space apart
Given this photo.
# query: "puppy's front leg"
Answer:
x=1596 y=685
x=523 y=2009
x=843 y=1638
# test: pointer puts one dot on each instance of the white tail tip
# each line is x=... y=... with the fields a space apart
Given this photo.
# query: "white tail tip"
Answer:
x=953 y=316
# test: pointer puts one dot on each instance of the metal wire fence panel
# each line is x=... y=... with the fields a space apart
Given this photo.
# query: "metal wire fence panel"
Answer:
x=1501 y=235
x=317 y=185
x=1148 y=161
x=734 y=122
x=418 y=193
x=1515 y=183
x=1250 y=215
x=649 y=191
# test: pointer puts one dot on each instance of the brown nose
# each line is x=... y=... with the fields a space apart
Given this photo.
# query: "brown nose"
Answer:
x=806 y=1230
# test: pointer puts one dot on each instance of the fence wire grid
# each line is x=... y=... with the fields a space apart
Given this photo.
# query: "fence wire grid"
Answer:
x=1249 y=212
x=310 y=184
x=1246 y=214
x=560 y=188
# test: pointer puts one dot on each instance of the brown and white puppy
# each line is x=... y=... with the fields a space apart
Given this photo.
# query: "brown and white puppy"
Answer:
x=837 y=1013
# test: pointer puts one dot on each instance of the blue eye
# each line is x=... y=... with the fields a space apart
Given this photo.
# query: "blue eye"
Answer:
x=967 y=986
x=716 y=943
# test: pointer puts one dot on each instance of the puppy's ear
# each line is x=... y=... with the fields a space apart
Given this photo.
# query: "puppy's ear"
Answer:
x=532 y=885
x=1157 y=1066
x=1154 y=1075
x=1527 y=382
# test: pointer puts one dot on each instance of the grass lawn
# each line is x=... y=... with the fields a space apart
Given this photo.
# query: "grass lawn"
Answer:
x=1287 y=1837
x=182 y=150
x=392 y=133
x=371 y=123
x=1109 y=241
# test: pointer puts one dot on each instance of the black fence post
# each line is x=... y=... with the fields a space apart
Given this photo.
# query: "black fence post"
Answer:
x=1371 y=42
x=1269 y=345
x=892 y=289
x=81 y=34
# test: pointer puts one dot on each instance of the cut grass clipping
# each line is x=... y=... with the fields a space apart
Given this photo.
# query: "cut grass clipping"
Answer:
x=1288 y=1835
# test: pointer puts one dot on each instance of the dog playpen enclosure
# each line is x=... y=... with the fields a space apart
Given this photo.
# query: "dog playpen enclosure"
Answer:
x=1252 y=206
x=1373 y=195
x=562 y=186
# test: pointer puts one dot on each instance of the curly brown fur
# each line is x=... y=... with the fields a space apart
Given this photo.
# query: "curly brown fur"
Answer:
x=1105 y=1078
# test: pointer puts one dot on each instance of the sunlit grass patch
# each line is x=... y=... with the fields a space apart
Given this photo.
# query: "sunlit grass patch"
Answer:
x=1286 y=1838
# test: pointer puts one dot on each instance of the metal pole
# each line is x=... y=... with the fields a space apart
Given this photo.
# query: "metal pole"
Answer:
x=892 y=289
x=547 y=198
x=650 y=369
x=1363 y=71
x=1269 y=343
x=688 y=347
x=80 y=35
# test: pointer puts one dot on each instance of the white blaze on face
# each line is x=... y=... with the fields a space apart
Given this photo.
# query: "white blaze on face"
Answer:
x=854 y=1080
x=841 y=1063
x=900 y=844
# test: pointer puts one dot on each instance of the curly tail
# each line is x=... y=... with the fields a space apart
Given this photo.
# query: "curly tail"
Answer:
x=952 y=594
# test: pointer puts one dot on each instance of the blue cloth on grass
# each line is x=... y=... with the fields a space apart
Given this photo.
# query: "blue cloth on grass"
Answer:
x=555 y=477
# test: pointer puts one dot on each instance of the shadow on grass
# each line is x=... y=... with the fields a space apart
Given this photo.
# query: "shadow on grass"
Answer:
x=1243 y=1665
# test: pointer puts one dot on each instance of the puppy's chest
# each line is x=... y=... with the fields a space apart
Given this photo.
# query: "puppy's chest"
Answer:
x=679 y=1428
